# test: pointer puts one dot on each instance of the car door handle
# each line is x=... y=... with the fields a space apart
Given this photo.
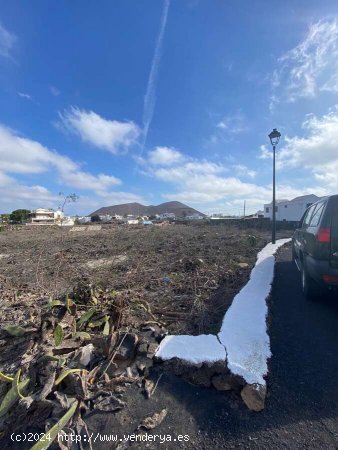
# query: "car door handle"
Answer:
x=335 y=254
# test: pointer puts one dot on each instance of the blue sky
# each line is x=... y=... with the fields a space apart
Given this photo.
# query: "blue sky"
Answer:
x=158 y=100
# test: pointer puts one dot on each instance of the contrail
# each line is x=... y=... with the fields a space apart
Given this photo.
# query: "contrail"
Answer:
x=150 y=96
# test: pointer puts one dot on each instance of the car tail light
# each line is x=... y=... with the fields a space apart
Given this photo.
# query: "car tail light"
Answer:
x=324 y=235
x=330 y=279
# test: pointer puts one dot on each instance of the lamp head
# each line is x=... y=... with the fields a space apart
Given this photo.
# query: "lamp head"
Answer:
x=274 y=136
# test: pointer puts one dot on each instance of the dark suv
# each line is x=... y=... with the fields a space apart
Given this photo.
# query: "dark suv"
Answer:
x=315 y=248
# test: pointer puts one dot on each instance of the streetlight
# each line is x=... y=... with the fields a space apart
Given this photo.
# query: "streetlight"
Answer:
x=274 y=139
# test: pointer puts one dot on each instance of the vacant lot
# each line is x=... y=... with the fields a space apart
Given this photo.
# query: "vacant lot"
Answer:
x=181 y=276
x=82 y=314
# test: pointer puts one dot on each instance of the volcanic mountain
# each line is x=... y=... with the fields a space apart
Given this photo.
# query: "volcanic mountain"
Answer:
x=136 y=209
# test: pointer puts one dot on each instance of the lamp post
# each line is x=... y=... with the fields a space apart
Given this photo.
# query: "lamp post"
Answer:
x=274 y=139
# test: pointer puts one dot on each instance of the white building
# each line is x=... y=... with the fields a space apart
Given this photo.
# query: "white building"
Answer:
x=84 y=219
x=106 y=218
x=43 y=216
x=195 y=216
x=164 y=216
x=290 y=210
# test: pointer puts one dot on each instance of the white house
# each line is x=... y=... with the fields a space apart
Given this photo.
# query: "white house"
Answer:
x=106 y=218
x=195 y=216
x=43 y=216
x=166 y=215
x=290 y=210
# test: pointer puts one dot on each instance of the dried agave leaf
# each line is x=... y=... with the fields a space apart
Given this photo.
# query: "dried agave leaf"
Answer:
x=11 y=397
x=16 y=384
x=109 y=404
x=48 y=383
x=14 y=330
x=58 y=335
x=86 y=316
x=54 y=303
x=106 y=328
x=153 y=421
x=93 y=296
x=62 y=398
x=149 y=387
x=47 y=439
x=96 y=323
x=6 y=378
x=82 y=335
x=64 y=374
x=70 y=305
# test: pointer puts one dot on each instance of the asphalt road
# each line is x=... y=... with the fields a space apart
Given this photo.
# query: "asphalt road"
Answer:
x=302 y=405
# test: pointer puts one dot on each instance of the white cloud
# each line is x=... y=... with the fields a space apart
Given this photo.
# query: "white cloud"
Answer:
x=20 y=155
x=7 y=41
x=54 y=91
x=265 y=153
x=110 y=135
x=244 y=171
x=202 y=182
x=87 y=181
x=233 y=124
x=14 y=195
x=210 y=187
x=228 y=128
x=165 y=156
x=25 y=156
x=26 y=96
x=316 y=151
x=309 y=67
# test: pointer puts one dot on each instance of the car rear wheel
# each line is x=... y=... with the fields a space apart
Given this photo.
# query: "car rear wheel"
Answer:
x=310 y=288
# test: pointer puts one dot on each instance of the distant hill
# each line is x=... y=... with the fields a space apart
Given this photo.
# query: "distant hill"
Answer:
x=178 y=208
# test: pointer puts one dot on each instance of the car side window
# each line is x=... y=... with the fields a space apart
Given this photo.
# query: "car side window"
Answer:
x=317 y=215
x=308 y=216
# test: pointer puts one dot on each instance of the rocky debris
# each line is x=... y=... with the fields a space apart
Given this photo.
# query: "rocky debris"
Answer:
x=126 y=347
x=83 y=356
x=151 y=350
x=106 y=262
x=77 y=229
x=94 y=227
x=142 y=349
x=218 y=376
x=221 y=382
x=253 y=396
x=243 y=265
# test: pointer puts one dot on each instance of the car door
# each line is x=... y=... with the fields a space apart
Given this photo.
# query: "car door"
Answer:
x=312 y=229
x=296 y=239
x=303 y=236
x=334 y=233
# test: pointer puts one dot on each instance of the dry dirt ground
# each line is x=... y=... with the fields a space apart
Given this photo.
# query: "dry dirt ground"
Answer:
x=187 y=275
x=82 y=315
